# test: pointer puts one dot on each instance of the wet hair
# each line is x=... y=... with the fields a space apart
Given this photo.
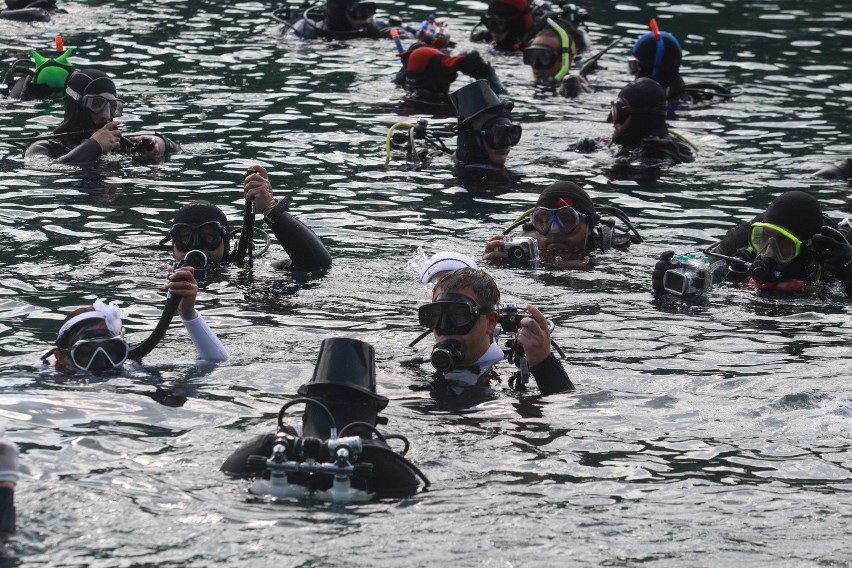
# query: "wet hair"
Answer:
x=478 y=280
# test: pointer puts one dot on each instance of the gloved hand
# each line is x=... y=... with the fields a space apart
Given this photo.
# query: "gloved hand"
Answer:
x=663 y=265
x=835 y=252
x=584 y=146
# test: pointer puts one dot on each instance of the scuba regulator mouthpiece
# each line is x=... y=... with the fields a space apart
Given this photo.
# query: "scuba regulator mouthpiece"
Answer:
x=446 y=355
x=765 y=270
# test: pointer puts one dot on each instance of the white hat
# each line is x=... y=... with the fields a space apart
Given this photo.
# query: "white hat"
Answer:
x=443 y=262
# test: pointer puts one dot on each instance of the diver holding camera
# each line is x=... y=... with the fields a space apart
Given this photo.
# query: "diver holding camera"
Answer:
x=561 y=231
x=790 y=247
x=464 y=318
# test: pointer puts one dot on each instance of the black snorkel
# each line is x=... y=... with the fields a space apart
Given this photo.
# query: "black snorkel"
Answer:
x=197 y=260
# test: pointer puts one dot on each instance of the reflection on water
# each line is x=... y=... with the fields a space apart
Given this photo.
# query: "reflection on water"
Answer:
x=702 y=433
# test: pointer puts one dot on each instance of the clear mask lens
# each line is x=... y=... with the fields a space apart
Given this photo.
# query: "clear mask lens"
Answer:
x=567 y=219
x=97 y=104
x=206 y=236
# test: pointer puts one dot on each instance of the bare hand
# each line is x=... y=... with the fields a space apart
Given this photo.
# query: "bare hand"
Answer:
x=494 y=250
x=534 y=336
x=258 y=190
x=182 y=283
x=108 y=136
x=159 y=149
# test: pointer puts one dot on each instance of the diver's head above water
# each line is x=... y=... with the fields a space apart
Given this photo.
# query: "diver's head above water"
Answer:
x=200 y=225
x=486 y=132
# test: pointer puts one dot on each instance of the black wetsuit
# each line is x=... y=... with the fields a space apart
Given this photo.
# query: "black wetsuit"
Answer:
x=77 y=151
x=304 y=248
x=36 y=11
x=656 y=151
x=805 y=268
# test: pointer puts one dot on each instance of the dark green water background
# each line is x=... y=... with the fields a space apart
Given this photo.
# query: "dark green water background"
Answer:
x=700 y=435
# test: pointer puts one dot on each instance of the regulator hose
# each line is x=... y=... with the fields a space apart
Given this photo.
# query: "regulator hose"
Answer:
x=162 y=327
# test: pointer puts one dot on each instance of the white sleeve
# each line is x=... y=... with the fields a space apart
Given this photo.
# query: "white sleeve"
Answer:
x=207 y=345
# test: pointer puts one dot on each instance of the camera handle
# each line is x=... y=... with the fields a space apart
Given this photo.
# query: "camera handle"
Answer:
x=515 y=354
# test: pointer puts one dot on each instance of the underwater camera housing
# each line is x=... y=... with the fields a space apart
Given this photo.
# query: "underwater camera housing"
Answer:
x=510 y=318
x=142 y=147
x=691 y=277
x=522 y=251
x=341 y=394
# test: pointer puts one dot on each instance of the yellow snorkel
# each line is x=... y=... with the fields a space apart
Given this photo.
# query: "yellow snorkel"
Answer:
x=566 y=49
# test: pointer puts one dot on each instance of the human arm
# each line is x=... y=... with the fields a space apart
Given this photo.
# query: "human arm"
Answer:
x=534 y=337
x=472 y=65
x=304 y=248
x=182 y=284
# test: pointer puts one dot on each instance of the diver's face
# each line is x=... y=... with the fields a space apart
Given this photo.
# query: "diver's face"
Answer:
x=558 y=248
x=496 y=157
x=214 y=256
x=104 y=115
x=475 y=342
x=555 y=45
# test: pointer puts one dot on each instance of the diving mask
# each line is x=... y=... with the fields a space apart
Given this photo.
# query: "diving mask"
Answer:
x=204 y=236
x=567 y=219
x=98 y=350
x=451 y=314
x=775 y=242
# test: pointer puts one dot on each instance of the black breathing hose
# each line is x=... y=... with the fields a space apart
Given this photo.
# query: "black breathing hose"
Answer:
x=162 y=327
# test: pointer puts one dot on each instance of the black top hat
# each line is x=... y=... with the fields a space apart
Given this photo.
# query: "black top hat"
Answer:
x=477 y=98
x=348 y=363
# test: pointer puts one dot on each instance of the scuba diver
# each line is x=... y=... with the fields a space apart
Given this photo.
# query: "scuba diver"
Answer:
x=89 y=129
x=561 y=231
x=485 y=131
x=427 y=73
x=790 y=247
x=550 y=54
x=639 y=127
x=306 y=457
x=511 y=24
x=466 y=319
x=658 y=55
x=44 y=77
x=8 y=482
x=200 y=225
x=484 y=135
x=335 y=19
x=441 y=263
x=92 y=339
x=29 y=10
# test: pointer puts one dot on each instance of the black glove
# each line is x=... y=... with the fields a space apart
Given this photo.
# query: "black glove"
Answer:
x=835 y=252
x=584 y=146
x=570 y=87
x=660 y=269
